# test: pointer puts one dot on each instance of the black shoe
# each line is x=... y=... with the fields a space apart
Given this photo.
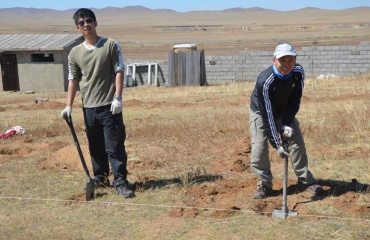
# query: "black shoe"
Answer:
x=102 y=183
x=262 y=192
x=124 y=191
x=315 y=189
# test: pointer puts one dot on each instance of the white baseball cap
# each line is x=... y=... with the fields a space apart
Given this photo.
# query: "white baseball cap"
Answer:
x=284 y=50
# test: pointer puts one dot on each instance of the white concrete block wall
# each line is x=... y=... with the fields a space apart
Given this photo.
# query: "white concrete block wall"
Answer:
x=343 y=60
x=316 y=60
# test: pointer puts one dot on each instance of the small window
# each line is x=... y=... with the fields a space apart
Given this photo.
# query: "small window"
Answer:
x=42 y=57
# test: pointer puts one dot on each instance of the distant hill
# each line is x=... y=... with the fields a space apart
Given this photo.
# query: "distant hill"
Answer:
x=139 y=8
x=358 y=8
x=310 y=8
x=30 y=20
x=144 y=31
x=254 y=9
x=18 y=10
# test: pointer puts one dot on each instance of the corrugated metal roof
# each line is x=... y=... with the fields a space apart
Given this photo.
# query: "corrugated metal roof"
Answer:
x=29 y=42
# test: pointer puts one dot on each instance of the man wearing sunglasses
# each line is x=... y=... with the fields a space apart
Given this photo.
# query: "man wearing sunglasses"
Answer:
x=96 y=68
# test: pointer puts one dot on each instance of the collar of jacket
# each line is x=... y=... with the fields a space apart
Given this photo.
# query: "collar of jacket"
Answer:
x=279 y=75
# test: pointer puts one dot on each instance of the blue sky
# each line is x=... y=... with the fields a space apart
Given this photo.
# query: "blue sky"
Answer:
x=187 y=5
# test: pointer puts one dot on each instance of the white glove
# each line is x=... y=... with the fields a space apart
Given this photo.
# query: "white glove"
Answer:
x=287 y=131
x=66 y=113
x=281 y=152
x=116 y=106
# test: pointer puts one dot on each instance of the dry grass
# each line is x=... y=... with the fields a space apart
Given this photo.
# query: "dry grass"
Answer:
x=179 y=140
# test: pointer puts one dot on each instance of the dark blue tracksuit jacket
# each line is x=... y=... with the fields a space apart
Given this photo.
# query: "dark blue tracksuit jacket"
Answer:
x=277 y=99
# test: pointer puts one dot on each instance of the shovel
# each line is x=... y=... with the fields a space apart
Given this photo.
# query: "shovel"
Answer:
x=284 y=212
x=90 y=186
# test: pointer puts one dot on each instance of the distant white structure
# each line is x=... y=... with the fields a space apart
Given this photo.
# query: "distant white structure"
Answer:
x=131 y=73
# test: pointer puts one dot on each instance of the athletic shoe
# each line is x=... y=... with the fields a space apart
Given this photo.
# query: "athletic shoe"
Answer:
x=262 y=192
x=315 y=189
x=124 y=191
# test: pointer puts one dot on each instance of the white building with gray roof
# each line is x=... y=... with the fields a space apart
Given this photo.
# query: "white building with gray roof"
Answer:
x=35 y=62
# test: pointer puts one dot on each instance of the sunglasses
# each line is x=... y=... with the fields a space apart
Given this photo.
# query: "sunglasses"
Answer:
x=87 y=21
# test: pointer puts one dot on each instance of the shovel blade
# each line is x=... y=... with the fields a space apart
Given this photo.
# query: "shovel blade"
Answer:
x=90 y=188
x=283 y=213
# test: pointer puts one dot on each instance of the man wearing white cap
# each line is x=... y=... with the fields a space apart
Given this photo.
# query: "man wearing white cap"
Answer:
x=274 y=103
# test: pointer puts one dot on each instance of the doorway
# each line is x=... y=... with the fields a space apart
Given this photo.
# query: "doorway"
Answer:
x=9 y=72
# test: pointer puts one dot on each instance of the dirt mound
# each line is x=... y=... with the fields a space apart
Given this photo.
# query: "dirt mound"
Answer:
x=43 y=105
x=237 y=156
x=66 y=159
x=132 y=103
x=23 y=146
x=228 y=197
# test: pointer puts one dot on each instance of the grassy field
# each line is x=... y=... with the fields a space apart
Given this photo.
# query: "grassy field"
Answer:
x=188 y=150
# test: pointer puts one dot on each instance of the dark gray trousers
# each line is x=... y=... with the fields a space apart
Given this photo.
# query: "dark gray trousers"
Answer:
x=260 y=161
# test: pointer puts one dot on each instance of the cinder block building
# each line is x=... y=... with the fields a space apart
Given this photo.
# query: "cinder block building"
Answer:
x=35 y=62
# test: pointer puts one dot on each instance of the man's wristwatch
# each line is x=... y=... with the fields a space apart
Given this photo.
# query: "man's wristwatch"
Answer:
x=119 y=98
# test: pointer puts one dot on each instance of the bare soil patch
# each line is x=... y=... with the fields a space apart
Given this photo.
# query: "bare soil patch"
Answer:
x=224 y=189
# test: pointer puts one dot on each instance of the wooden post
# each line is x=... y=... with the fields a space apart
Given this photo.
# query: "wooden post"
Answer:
x=188 y=68
x=203 y=75
x=180 y=68
x=171 y=68
x=197 y=63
